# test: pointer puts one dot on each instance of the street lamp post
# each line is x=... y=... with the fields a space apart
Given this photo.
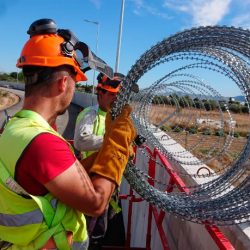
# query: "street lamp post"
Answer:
x=96 y=51
x=17 y=75
x=119 y=38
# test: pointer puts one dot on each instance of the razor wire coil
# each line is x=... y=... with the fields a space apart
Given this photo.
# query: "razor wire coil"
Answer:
x=223 y=199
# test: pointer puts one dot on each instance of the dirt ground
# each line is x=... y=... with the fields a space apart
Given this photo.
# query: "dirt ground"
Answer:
x=7 y=99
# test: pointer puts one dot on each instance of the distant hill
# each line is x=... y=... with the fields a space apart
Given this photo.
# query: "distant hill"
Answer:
x=239 y=98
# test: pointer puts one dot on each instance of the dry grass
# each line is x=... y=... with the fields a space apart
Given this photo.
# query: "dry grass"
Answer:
x=187 y=118
x=200 y=145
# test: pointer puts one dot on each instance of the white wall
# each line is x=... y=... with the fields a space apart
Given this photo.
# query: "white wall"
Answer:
x=180 y=234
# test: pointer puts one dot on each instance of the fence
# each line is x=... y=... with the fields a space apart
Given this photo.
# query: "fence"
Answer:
x=151 y=228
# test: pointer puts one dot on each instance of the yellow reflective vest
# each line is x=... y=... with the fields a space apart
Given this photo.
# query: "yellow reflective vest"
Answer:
x=90 y=129
x=27 y=221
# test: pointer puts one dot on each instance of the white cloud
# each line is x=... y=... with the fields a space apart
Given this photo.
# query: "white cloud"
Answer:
x=141 y=6
x=209 y=12
x=203 y=12
x=138 y=3
x=97 y=3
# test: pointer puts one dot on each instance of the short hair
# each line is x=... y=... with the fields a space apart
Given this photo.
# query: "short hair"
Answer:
x=39 y=77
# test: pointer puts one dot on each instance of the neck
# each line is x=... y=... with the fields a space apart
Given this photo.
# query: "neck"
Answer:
x=104 y=108
x=42 y=106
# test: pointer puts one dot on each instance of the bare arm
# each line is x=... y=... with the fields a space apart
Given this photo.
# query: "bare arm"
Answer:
x=75 y=188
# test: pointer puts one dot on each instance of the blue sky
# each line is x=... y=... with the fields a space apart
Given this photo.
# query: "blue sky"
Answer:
x=146 y=22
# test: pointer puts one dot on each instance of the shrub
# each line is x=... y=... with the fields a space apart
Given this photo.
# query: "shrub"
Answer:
x=177 y=129
x=236 y=134
x=192 y=130
x=164 y=128
x=235 y=107
x=220 y=132
x=207 y=131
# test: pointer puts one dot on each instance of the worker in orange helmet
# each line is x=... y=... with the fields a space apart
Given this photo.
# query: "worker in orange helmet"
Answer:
x=90 y=123
x=45 y=190
x=88 y=138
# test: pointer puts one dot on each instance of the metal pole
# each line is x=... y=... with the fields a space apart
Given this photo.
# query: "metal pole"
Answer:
x=119 y=38
x=96 y=51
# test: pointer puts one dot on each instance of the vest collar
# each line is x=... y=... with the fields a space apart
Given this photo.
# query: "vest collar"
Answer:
x=101 y=112
x=25 y=113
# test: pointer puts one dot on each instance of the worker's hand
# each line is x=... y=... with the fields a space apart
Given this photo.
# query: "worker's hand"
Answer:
x=115 y=151
x=131 y=152
x=126 y=110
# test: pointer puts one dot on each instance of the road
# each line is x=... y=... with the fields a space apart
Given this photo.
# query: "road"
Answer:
x=65 y=123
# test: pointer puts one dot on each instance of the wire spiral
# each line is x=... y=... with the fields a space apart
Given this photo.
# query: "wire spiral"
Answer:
x=174 y=114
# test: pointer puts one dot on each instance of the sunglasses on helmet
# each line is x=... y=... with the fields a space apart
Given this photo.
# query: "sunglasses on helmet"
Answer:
x=114 y=82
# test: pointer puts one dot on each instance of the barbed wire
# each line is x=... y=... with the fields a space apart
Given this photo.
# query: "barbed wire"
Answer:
x=181 y=100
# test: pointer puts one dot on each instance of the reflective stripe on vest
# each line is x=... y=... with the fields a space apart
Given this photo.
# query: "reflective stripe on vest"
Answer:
x=98 y=125
x=17 y=220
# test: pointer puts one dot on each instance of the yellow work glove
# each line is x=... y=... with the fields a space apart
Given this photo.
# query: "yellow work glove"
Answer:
x=114 y=153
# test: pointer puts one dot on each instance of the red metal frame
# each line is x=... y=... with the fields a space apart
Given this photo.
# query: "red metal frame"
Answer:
x=221 y=241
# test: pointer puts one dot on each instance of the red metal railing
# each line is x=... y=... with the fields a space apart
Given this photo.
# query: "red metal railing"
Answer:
x=220 y=240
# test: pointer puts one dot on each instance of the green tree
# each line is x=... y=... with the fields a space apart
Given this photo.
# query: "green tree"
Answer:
x=235 y=107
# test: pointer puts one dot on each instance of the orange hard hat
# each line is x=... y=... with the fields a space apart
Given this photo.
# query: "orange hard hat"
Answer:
x=112 y=85
x=45 y=50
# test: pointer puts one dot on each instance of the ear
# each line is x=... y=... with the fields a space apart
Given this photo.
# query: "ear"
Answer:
x=62 y=83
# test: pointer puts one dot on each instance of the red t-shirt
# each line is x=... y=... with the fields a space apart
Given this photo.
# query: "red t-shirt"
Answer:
x=45 y=157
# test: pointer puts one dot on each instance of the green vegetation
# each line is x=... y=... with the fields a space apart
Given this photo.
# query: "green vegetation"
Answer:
x=165 y=128
x=177 y=129
x=220 y=132
x=236 y=134
x=192 y=130
x=207 y=131
x=84 y=88
x=11 y=77
x=203 y=104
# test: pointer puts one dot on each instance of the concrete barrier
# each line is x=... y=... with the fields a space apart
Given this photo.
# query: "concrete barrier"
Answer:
x=80 y=98
x=84 y=99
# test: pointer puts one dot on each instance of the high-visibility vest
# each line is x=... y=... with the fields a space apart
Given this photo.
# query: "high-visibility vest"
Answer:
x=99 y=117
x=29 y=221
